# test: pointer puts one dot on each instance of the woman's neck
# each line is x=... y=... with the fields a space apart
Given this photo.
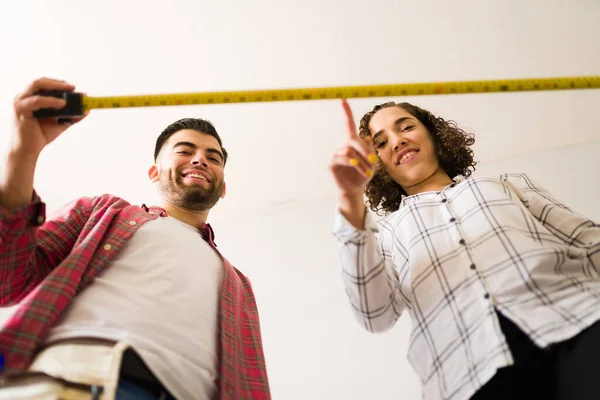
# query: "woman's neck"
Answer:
x=435 y=182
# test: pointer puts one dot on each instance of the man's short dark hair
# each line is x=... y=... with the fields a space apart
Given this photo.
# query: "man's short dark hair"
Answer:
x=197 y=124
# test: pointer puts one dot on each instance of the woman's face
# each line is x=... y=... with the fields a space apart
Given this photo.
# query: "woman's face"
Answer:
x=404 y=145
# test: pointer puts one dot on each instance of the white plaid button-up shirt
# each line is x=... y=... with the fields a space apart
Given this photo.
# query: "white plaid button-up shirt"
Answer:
x=454 y=257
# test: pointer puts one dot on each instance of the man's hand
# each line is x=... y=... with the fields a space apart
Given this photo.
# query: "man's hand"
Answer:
x=29 y=138
x=32 y=134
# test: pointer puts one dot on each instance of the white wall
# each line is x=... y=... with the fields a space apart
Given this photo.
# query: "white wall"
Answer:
x=569 y=173
x=275 y=223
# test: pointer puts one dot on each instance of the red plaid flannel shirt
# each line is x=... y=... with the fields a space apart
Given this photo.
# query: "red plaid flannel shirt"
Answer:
x=45 y=264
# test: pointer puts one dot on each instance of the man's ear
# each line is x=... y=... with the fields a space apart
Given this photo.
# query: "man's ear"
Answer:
x=224 y=190
x=153 y=173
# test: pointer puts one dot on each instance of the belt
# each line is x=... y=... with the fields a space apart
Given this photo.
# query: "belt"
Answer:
x=75 y=368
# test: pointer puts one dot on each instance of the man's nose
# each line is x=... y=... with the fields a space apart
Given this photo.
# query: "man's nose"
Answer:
x=199 y=161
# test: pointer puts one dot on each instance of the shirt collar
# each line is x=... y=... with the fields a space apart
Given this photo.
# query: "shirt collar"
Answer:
x=206 y=230
x=403 y=198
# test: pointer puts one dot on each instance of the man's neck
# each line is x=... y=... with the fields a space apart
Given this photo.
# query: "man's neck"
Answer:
x=435 y=182
x=193 y=218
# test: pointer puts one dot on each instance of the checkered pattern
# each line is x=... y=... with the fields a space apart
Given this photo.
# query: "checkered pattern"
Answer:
x=454 y=257
x=44 y=264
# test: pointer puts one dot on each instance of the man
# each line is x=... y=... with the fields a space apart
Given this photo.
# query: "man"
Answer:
x=119 y=300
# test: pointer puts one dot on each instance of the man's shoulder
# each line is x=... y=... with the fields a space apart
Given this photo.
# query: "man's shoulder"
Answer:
x=98 y=202
x=102 y=199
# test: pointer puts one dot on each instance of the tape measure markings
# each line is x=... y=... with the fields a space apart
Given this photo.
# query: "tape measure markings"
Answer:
x=411 y=89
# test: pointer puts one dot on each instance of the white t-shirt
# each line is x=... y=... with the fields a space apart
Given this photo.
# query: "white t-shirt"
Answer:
x=160 y=294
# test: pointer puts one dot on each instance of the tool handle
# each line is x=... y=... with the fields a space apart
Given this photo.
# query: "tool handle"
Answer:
x=73 y=108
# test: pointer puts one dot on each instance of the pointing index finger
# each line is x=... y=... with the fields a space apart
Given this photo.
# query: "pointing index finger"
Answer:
x=365 y=145
x=350 y=119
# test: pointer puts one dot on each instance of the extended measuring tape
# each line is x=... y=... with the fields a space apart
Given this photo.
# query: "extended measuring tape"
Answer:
x=78 y=104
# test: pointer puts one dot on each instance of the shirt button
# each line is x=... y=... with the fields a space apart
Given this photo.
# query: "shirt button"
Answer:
x=40 y=219
x=487 y=295
x=107 y=247
x=132 y=223
x=452 y=185
x=444 y=200
x=461 y=241
x=452 y=219
x=472 y=266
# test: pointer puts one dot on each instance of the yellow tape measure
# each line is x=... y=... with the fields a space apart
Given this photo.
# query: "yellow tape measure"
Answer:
x=347 y=92
x=78 y=104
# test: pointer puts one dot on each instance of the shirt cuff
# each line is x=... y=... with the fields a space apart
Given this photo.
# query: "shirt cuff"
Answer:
x=344 y=231
x=34 y=212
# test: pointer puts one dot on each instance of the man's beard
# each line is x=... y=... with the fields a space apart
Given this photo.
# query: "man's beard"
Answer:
x=189 y=197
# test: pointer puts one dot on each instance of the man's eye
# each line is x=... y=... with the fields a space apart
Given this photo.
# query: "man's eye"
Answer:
x=183 y=152
x=215 y=160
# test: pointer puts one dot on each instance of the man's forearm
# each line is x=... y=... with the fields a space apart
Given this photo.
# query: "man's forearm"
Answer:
x=16 y=180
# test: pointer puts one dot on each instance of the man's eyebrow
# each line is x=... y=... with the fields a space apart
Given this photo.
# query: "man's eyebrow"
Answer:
x=398 y=121
x=188 y=144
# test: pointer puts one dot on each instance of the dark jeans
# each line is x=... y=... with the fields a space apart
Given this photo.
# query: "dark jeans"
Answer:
x=569 y=370
x=138 y=382
x=132 y=390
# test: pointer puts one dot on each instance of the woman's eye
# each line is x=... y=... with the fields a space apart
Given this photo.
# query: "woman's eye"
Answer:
x=381 y=144
x=407 y=128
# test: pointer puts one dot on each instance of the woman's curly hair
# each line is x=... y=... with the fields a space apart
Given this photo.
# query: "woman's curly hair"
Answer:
x=452 y=146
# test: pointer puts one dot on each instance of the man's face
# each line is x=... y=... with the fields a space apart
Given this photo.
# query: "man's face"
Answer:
x=189 y=171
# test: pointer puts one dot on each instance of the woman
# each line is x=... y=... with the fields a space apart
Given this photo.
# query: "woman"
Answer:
x=501 y=280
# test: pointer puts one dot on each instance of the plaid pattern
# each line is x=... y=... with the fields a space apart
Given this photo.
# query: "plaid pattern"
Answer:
x=454 y=257
x=44 y=264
